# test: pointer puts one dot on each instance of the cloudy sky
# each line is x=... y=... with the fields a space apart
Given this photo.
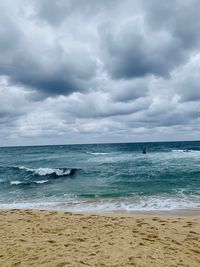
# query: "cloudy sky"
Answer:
x=89 y=71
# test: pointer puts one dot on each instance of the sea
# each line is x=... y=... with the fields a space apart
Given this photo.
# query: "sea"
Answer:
x=101 y=177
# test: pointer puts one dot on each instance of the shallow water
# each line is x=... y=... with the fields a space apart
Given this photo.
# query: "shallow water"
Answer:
x=107 y=177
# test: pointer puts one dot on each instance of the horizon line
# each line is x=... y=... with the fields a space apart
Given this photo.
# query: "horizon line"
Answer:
x=103 y=143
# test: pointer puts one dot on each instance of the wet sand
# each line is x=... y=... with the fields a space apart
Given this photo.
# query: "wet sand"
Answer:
x=50 y=238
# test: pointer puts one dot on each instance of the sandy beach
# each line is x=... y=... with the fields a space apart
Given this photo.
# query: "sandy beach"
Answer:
x=51 y=238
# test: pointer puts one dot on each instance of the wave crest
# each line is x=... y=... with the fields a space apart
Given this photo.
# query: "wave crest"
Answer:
x=50 y=171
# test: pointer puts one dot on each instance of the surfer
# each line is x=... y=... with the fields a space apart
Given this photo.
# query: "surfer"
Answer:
x=144 y=151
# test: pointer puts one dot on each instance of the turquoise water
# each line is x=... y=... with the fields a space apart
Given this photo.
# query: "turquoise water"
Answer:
x=104 y=177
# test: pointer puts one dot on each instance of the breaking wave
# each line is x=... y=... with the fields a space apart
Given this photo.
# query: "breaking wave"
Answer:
x=131 y=204
x=53 y=172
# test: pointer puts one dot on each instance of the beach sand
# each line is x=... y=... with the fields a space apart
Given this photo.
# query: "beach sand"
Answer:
x=50 y=238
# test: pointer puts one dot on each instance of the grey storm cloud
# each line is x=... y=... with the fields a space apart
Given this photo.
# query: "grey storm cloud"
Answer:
x=57 y=12
x=34 y=55
x=99 y=70
x=131 y=39
x=129 y=90
x=155 y=41
x=181 y=18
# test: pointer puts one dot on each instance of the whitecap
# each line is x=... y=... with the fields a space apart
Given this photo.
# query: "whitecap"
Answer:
x=15 y=182
x=45 y=171
x=41 y=182
x=99 y=153
x=25 y=168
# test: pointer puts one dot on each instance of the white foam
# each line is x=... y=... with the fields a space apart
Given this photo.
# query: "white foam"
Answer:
x=46 y=171
x=141 y=204
x=41 y=182
x=15 y=182
x=20 y=182
x=129 y=204
x=186 y=151
x=99 y=153
x=178 y=150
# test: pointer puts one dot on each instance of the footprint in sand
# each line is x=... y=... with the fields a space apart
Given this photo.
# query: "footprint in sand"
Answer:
x=62 y=264
x=192 y=232
x=51 y=241
x=15 y=264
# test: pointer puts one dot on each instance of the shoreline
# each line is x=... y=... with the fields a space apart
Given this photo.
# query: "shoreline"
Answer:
x=59 y=238
x=173 y=212
x=165 y=213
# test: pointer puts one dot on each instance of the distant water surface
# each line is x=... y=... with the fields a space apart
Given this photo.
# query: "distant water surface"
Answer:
x=101 y=177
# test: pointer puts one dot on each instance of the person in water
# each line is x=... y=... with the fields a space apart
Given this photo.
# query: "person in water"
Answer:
x=144 y=151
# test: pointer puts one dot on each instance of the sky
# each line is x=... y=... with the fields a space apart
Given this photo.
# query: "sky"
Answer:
x=85 y=71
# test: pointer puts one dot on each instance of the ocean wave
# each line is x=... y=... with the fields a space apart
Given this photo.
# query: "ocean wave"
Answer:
x=53 y=172
x=131 y=204
x=98 y=153
x=41 y=182
x=34 y=176
x=154 y=203
x=181 y=150
x=28 y=183
x=185 y=150
x=16 y=182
